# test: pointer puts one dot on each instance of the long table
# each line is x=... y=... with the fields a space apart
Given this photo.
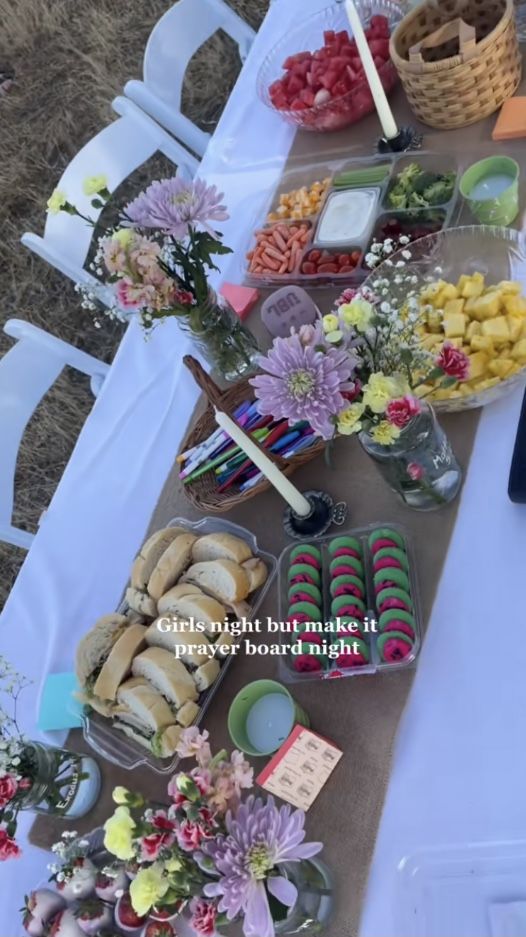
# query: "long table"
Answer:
x=457 y=770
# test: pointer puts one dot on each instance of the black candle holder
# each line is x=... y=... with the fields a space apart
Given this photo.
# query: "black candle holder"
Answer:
x=407 y=139
x=324 y=512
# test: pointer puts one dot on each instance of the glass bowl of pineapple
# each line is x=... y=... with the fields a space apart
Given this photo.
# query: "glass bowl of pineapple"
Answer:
x=471 y=287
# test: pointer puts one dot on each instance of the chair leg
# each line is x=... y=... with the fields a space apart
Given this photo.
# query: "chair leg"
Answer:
x=16 y=537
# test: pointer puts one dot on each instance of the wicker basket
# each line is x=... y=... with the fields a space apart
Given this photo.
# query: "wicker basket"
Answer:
x=203 y=491
x=458 y=60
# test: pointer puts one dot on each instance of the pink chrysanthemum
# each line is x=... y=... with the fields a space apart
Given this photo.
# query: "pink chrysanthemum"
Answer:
x=304 y=383
x=174 y=205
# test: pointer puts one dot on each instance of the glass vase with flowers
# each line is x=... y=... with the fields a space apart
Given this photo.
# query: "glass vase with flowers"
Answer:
x=156 y=263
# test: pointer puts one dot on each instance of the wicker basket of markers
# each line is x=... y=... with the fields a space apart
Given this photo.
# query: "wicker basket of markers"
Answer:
x=202 y=484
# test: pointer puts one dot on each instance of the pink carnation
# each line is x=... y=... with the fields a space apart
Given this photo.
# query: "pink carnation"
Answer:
x=203 y=917
x=8 y=789
x=453 y=362
x=400 y=412
x=415 y=471
x=346 y=297
x=190 y=835
x=8 y=847
x=134 y=295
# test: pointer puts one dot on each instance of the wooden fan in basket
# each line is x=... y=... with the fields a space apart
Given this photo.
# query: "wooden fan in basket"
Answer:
x=203 y=491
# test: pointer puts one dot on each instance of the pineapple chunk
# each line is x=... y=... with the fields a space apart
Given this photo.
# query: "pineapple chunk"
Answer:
x=518 y=352
x=434 y=320
x=423 y=390
x=455 y=324
x=504 y=351
x=474 y=328
x=509 y=286
x=497 y=329
x=486 y=306
x=453 y=307
x=469 y=306
x=432 y=292
x=486 y=383
x=514 y=305
x=429 y=341
x=456 y=342
x=444 y=393
x=515 y=368
x=449 y=291
x=515 y=326
x=477 y=365
x=483 y=343
x=501 y=367
x=473 y=287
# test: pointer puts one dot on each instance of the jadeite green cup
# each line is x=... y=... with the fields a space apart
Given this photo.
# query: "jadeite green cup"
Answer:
x=243 y=703
x=503 y=208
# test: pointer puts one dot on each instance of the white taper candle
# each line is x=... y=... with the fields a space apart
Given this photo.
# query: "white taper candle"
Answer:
x=385 y=113
x=292 y=496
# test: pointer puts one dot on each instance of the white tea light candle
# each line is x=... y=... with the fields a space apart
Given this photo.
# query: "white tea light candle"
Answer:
x=300 y=506
x=385 y=113
x=270 y=722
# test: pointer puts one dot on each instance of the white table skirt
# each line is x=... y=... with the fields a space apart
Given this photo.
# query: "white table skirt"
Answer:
x=459 y=761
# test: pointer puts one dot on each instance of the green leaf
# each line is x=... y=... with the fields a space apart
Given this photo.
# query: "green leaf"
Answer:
x=449 y=381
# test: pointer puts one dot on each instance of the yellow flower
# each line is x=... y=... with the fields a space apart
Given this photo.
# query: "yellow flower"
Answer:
x=147 y=887
x=124 y=236
x=379 y=391
x=94 y=184
x=120 y=795
x=56 y=202
x=349 y=419
x=118 y=834
x=334 y=337
x=173 y=864
x=358 y=313
x=385 y=433
x=330 y=323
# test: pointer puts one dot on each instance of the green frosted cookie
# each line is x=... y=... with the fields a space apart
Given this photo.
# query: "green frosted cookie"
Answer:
x=344 y=601
x=305 y=548
x=396 y=614
x=386 y=533
x=306 y=588
x=302 y=572
x=391 y=574
x=350 y=542
x=394 y=553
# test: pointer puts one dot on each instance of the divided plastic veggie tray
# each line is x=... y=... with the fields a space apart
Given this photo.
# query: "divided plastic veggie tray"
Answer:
x=321 y=220
x=112 y=744
x=327 y=572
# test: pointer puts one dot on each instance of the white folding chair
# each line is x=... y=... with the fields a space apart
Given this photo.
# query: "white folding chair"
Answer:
x=27 y=371
x=176 y=37
x=116 y=151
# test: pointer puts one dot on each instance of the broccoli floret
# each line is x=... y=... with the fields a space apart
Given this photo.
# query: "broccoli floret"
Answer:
x=439 y=191
x=397 y=199
x=408 y=175
x=416 y=201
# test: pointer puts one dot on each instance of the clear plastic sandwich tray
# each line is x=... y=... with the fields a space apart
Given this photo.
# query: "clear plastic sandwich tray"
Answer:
x=415 y=222
x=375 y=665
x=470 y=890
x=112 y=744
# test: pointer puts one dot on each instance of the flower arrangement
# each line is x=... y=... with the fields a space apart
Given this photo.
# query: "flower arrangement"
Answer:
x=157 y=260
x=210 y=850
x=363 y=367
x=16 y=768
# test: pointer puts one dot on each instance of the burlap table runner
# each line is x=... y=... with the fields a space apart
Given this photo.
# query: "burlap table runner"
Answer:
x=360 y=714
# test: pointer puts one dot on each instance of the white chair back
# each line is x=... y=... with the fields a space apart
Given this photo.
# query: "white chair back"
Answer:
x=174 y=40
x=27 y=371
x=116 y=151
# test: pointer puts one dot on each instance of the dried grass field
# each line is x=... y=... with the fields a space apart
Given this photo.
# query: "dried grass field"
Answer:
x=69 y=60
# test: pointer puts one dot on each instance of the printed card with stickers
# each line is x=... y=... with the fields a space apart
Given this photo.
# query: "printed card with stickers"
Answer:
x=301 y=767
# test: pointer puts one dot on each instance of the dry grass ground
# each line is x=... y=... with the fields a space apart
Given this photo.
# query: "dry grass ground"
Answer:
x=70 y=59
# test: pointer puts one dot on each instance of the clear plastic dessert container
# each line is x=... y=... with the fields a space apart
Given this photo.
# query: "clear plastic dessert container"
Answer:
x=375 y=665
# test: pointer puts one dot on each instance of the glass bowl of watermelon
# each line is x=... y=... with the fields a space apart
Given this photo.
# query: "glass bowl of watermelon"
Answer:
x=314 y=76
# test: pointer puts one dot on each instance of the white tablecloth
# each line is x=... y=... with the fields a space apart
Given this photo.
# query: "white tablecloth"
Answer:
x=458 y=769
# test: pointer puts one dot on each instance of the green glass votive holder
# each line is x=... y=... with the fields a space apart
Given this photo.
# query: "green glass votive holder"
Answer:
x=491 y=189
x=262 y=716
